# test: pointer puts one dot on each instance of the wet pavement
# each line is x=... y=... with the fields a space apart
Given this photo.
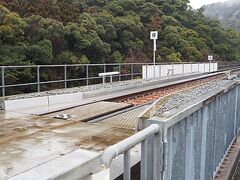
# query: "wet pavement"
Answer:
x=27 y=141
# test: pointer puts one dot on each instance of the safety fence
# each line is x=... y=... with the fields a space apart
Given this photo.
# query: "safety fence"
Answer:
x=38 y=78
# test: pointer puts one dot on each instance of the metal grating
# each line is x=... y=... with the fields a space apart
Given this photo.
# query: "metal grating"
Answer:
x=125 y=120
x=91 y=111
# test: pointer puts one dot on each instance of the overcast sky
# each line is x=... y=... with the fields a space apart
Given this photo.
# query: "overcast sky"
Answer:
x=199 y=3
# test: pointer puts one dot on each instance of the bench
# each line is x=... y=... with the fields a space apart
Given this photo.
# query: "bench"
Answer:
x=110 y=74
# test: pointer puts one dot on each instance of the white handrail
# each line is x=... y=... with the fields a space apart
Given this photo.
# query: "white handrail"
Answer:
x=112 y=151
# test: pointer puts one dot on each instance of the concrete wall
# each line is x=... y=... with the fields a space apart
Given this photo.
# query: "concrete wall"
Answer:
x=163 y=70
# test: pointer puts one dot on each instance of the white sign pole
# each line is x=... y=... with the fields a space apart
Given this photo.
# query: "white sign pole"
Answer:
x=154 y=37
x=210 y=58
x=154 y=57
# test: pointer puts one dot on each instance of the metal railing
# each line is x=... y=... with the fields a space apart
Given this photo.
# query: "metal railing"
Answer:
x=124 y=147
x=85 y=73
x=150 y=134
x=38 y=78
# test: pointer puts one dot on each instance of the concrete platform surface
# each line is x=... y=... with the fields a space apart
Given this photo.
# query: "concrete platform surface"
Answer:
x=27 y=141
x=90 y=111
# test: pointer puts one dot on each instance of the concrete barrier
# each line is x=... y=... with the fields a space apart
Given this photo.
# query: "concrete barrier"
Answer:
x=163 y=70
x=28 y=103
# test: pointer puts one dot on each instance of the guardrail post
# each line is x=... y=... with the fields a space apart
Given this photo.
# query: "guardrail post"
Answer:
x=65 y=76
x=127 y=166
x=87 y=75
x=132 y=71
x=104 y=68
x=144 y=160
x=157 y=156
x=3 y=81
x=38 y=78
x=236 y=110
x=160 y=70
x=147 y=77
x=119 y=69
x=209 y=67
x=183 y=68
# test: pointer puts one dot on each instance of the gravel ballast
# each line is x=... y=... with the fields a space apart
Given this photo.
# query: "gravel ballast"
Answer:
x=181 y=98
x=135 y=82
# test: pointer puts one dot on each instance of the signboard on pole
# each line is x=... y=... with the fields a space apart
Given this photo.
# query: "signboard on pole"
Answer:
x=154 y=35
x=210 y=57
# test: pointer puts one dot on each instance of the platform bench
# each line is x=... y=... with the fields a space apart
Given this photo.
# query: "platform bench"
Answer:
x=110 y=74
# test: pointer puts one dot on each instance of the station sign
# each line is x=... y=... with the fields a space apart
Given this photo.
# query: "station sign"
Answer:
x=210 y=57
x=154 y=35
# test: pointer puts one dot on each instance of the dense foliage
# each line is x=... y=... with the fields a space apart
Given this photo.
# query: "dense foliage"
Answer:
x=227 y=12
x=102 y=31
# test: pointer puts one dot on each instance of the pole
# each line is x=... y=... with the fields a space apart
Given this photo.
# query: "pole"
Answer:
x=210 y=58
x=154 y=37
x=3 y=81
x=87 y=74
x=38 y=78
x=154 y=57
x=65 y=76
x=209 y=66
x=132 y=71
x=119 y=70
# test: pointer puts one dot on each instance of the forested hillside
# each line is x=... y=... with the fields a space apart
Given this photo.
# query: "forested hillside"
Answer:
x=103 y=31
x=228 y=13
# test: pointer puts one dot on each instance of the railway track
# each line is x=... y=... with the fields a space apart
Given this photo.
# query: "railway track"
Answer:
x=127 y=118
x=151 y=95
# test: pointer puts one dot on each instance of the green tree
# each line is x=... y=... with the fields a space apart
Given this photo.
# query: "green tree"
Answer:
x=117 y=57
x=41 y=53
x=174 y=57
